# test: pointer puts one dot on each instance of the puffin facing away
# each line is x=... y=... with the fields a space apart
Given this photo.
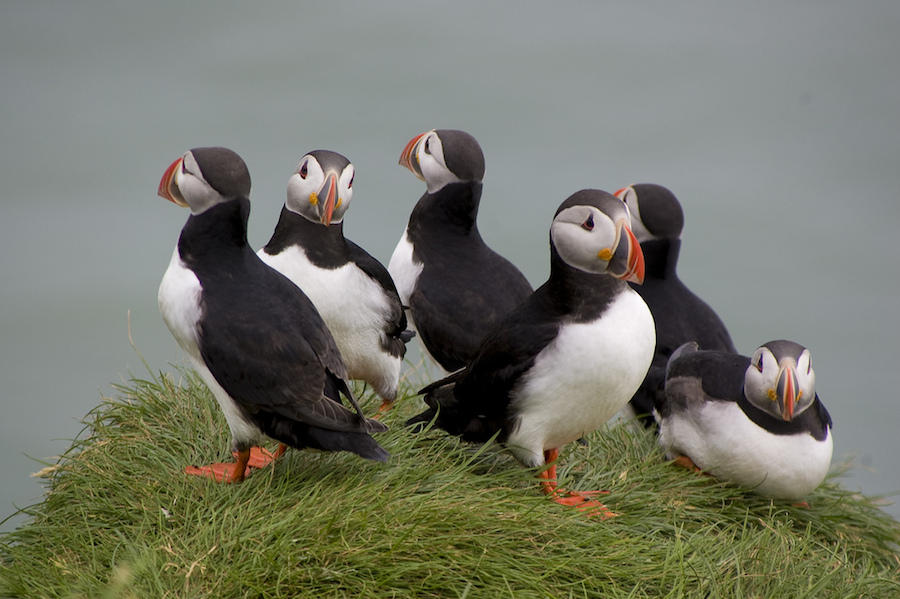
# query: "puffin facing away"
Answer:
x=455 y=286
x=756 y=422
x=566 y=359
x=351 y=290
x=680 y=316
x=253 y=336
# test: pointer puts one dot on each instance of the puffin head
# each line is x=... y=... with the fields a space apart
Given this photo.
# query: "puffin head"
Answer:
x=321 y=188
x=780 y=379
x=205 y=177
x=655 y=211
x=592 y=232
x=443 y=156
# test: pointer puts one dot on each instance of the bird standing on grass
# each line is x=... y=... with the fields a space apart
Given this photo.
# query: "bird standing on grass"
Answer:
x=567 y=358
x=351 y=290
x=455 y=286
x=756 y=422
x=681 y=316
x=252 y=335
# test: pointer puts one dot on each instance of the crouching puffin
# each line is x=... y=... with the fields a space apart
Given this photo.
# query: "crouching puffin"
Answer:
x=351 y=290
x=566 y=359
x=455 y=285
x=253 y=336
x=680 y=315
x=756 y=422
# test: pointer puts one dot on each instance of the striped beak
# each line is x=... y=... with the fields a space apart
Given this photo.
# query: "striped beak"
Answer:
x=168 y=188
x=627 y=262
x=409 y=157
x=787 y=391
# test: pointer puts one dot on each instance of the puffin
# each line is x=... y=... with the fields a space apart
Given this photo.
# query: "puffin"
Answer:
x=252 y=335
x=352 y=291
x=456 y=287
x=681 y=316
x=565 y=360
x=756 y=422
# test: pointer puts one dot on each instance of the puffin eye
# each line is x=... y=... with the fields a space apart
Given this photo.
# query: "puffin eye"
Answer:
x=427 y=147
x=350 y=184
x=759 y=363
x=304 y=171
x=588 y=225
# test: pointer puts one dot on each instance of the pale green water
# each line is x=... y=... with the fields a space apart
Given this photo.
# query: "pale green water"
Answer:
x=777 y=126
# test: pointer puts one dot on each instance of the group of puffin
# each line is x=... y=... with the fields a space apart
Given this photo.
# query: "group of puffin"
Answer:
x=278 y=334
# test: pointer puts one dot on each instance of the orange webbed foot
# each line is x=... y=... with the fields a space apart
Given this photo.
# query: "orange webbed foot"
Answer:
x=220 y=473
x=383 y=409
x=224 y=473
x=580 y=500
x=261 y=457
x=686 y=462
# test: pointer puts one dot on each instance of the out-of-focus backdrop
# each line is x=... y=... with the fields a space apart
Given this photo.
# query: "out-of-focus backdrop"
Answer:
x=776 y=125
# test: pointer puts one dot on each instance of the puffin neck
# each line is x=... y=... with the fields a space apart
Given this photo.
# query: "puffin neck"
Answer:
x=218 y=231
x=455 y=204
x=585 y=294
x=661 y=258
x=324 y=246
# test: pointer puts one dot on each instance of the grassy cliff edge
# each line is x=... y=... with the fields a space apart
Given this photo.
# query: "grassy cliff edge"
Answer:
x=441 y=519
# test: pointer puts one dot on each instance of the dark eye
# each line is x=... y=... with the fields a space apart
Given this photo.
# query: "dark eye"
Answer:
x=759 y=364
x=303 y=171
x=350 y=184
x=588 y=225
x=427 y=147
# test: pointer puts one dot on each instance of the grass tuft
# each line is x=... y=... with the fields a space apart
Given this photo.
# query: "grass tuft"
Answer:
x=441 y=519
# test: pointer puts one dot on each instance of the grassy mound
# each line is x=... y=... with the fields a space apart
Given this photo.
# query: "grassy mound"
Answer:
x=441 y=519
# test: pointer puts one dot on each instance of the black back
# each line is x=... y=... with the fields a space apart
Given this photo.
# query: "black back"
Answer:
x=680 y=317
x=264 y=341
x=465 y=287
x=722 y=379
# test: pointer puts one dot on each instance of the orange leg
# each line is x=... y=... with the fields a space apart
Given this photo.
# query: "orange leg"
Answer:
x=261 y=457
x=224 y=473
x=686 y=462
x=383 y=409
x=577 y=499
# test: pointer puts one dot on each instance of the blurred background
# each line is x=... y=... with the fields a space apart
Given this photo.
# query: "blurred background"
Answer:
x=776 y=124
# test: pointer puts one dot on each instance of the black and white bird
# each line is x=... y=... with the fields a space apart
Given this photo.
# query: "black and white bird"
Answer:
x=756 y=422
x=352 y=291
x=566 y=359
x=455 y=285
x=658 y=220
x=253 y=336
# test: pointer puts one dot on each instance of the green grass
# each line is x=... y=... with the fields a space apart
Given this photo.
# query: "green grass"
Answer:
x=441 y=519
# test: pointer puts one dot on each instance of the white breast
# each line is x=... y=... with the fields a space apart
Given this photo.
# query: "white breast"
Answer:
x=721 y=440
x=403 y=269
x=179 y=304
x=355 y=309
x=582 y=378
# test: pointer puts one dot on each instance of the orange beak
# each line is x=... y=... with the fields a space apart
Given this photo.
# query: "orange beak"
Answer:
x=408 y=157
x=168 y=188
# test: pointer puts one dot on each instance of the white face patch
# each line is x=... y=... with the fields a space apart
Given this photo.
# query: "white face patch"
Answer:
x=430 y=156
x=198 y=194
x=585 y=238
x=305 y=190
x=629 y=196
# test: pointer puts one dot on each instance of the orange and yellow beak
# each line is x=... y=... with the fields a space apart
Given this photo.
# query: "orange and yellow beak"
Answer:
x=787 y=391
x=409 y=156
x=168 y=188
x=627 y=262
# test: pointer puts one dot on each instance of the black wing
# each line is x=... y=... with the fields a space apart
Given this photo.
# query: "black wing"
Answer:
x=273 y=352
